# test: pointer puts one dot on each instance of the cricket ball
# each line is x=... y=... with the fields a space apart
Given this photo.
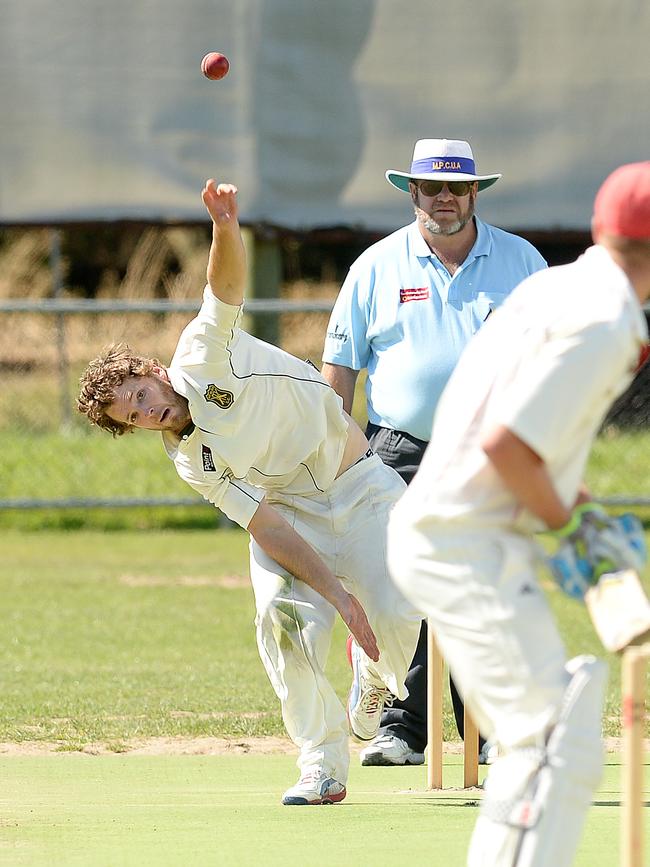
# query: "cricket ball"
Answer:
x=215 y=65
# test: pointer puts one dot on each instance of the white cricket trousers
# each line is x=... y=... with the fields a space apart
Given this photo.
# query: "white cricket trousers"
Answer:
x=347 y=527
x=480 y=591
x=492 y=623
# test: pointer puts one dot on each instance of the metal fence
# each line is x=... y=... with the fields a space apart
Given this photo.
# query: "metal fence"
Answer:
x=51 y=458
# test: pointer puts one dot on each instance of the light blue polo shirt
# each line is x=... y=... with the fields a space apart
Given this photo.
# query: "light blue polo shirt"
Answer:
x=401 y=315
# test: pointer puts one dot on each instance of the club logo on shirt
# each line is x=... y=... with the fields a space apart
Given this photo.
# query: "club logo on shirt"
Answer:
x=208 y=461
x=219 y=396
x=418 y=293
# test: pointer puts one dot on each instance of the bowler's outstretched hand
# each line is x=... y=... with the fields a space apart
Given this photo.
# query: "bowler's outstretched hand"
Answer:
x=221 y=202
x=357 y=622
x=226 y=271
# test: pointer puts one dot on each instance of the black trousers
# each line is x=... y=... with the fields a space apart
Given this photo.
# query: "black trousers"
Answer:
x=408 y=719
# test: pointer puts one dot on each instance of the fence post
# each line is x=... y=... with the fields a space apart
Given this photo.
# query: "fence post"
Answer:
x=63 y=368
x=264 y=261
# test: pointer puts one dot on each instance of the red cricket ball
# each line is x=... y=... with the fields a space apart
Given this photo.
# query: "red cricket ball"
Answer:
x=215 y=65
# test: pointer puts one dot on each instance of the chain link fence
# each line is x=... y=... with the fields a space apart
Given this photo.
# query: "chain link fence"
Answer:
x=52 y=458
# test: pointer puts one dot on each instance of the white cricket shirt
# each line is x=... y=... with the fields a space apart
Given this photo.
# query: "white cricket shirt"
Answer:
x=547 y=365
x=264 y=420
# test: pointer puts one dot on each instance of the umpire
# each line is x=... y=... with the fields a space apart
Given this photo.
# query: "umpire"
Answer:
x=406 y=311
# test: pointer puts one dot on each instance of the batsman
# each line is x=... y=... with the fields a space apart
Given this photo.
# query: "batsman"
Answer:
x=262 y=436
x=510 y=442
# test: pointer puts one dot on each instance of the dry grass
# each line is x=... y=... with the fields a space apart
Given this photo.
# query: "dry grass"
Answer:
x=303 y=334
x=24 y=264
x=166 y=263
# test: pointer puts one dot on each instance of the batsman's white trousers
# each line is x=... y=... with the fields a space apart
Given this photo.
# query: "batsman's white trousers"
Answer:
x=480 y=591
x=347 y=527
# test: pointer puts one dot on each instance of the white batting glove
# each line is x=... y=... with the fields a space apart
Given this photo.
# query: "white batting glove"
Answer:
x=593 y=543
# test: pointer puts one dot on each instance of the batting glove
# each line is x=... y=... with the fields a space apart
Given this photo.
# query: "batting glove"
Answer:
x=593 y=543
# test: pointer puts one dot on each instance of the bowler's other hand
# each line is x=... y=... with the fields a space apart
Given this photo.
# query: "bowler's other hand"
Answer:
x=221 y=202
x=357 y=622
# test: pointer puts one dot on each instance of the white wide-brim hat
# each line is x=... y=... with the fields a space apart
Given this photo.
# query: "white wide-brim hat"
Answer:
x=440 y=159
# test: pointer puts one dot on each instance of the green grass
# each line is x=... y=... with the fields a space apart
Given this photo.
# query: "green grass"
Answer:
x=75 y=811
x=113 y=636
x=87 y=463
x=39 y=460
x=90 y=463
x=619 y=464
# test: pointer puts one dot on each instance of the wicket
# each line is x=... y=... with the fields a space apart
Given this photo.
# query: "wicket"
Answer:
x=634 y=667
x=434 y=725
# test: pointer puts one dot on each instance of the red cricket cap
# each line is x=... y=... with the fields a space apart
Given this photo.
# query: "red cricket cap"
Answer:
x=622 y=205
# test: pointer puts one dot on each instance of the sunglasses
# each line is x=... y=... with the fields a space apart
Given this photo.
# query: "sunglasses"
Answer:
x=432 y=188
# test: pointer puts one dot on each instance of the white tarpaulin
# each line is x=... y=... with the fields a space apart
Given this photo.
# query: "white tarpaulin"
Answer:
x=105 y=115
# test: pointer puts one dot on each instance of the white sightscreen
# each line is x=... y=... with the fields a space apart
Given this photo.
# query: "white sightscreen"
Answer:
x=105 y=115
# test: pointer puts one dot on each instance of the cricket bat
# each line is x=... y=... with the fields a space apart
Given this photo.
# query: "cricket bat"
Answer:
x=619 y=610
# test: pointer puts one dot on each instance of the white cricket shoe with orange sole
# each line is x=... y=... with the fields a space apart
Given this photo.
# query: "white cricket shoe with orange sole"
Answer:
x=314 y=788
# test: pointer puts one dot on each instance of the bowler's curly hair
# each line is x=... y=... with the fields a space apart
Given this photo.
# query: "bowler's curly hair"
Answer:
x=103 y=377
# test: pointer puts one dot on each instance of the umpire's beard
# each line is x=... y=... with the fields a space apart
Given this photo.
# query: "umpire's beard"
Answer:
x=436 y=228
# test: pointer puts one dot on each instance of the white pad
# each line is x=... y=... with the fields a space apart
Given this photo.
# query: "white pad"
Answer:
x=536 y=799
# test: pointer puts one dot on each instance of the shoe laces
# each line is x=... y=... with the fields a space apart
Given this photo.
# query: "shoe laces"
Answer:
x=374 y=698
x=389 y=740
x=311 y=776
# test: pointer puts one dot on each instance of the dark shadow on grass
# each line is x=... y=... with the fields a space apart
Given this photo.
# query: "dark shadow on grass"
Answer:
x=617 y=764
x=459 y=802
x=433 y=801
x=614 y=803
x=116 y=520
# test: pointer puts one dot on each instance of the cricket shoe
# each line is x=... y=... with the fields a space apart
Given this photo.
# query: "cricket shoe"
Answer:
x=314 y=788
x=390 y=750
x=489 y=754
x=367 y=699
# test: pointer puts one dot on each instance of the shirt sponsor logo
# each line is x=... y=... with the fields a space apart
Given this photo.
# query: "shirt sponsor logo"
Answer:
x=337 y=335
x=219 y=396
x=208 y=462
x=418 y=293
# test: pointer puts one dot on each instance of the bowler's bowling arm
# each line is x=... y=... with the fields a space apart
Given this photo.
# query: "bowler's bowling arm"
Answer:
x=226 y=270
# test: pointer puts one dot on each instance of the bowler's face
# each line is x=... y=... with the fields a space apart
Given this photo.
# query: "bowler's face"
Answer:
x=150 y=402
